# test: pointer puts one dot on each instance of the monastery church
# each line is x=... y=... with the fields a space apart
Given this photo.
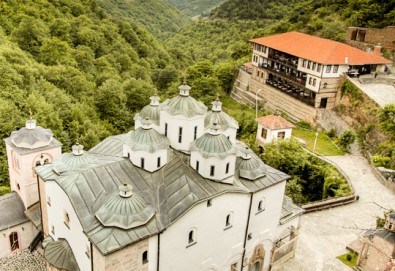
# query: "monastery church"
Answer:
x=179 y=192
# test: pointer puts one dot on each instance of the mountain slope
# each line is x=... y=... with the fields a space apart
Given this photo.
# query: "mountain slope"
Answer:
x=194 y=8
x=159 y=17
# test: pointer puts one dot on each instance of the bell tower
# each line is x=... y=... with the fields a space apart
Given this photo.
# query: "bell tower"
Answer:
x=27 y=148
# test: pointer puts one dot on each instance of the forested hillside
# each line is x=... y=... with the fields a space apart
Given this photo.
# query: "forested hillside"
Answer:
x=157 y=16
x=326 y=18
x=194 y=8
x=81 y=72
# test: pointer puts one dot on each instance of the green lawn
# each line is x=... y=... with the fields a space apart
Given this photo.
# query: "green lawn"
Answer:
x=344 y=259
x=324 y=145
x=4 y=190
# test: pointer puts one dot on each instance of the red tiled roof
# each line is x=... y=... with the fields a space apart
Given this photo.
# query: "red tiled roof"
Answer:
x=319 y=50
x=248 y=65
x=274 y=122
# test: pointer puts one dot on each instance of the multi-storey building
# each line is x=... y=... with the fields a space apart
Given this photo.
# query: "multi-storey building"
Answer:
x=177 y=193
x=299 y=73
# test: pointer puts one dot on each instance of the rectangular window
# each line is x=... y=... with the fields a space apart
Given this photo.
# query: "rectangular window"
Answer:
x=309 y=64
x=212 y=170
x=310 y=80
x=180 y=135
x=314 y=64
x=158 y=163
x=145 y=257
x=335 y=68
x=304 y=63
x=328 y=68
x=49 y=200
x=165 y=129
x=142 y=162
x=281 y=135
x=314 y=81
x=227 y=168
x=88 y=251
x=319 y=68
x=53 y=229
x=264 y=133
x=209 y=203
x=197 y=165
x=195 y=133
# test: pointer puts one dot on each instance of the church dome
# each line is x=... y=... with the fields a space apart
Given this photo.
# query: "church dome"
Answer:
x=147 y=139
x=150 y=111
x=216 y=115
x=124 y=209
x=184 y=104
x=250 y=166
x=213 y=143
x=68 y=161
x=31 y=136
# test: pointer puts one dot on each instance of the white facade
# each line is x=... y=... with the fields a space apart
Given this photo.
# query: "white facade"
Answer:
x=146 y=160
x=214 y=168
x=25 y=232
x=265 y=135
x=216 y=245
x=64 y=223
x=181 y=130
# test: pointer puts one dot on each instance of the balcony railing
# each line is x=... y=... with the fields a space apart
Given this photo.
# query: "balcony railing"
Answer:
x=301 y=94
x=297 y=80
x=291 y=62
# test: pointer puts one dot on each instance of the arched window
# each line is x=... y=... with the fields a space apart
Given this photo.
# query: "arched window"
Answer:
x=38 y=163
x=14 y=242
x=228 y=220
x=46 y=161
x=261 y=205
x=144 y=258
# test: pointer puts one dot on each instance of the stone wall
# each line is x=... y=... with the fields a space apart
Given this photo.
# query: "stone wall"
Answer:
x=126 y=259
x=329 y=120
x=373 y=36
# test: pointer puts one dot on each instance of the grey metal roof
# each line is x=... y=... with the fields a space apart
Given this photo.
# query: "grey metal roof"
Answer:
x=22 y=151
x=149 y=111
x=59 y=254
x=289 y=210
x=171 y=191
x=34 y=214
x=124 y=209
x=31 y=136
x=112 y=145
x=213 y=145
x=221 y=118
x=12 y=211
x=147 y=140
x=183 y=105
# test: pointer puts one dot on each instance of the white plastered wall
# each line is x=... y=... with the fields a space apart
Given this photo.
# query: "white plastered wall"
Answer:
x=272 y=135
x=216 y=247
x=26 y=232
x=219 y=164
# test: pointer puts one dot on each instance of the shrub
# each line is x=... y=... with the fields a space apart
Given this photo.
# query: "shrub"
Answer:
x=347 y=138
x=304 y=125
x=380 y=161
x=331 y=133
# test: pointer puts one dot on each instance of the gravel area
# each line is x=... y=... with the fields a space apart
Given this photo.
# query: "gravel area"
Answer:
x=24 y=261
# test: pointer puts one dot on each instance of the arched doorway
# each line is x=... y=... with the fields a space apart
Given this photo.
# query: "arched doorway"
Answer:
x=255 y=267
x=14 y=241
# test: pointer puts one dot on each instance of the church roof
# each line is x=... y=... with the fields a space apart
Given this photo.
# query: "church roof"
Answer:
x=150 y=111
x=216 y=115
x=171 y=191
x=183 y=104
x=12 y=211
x=274 y=122
x=320 y=50
x=210 y=145
x=59 y=254
x=147 y=139
x=250 y=166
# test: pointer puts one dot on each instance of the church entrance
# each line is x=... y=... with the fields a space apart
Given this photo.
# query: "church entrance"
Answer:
x=14 y=242
x=255 y=267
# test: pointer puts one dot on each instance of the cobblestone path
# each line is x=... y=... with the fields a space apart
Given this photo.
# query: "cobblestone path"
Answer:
x=23 y=261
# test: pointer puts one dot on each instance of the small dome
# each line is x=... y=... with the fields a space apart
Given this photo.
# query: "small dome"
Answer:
x=70 y=161
x=184 y=104
x=31 y=136
x=213 y=144
x=150 y=111
x=216 y=115
x=250 y=166
x=124 y=210
x=147 y=139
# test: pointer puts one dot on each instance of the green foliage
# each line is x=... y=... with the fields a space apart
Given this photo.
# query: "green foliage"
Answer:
x=380 y=221
x=380 y=161
x=303 y=124
x=312 y=179
x=349 y=89
x=347 y=138
x=331 y=133
x=387 y=119
x=193 y=8
x=349 y=259
x=4 y=190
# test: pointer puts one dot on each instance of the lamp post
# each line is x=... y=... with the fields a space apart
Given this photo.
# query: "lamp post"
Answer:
x=315 y=141
x=256 y=102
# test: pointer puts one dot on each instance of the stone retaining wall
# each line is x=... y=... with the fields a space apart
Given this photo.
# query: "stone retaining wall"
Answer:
x=328 y=120
x=384 y=181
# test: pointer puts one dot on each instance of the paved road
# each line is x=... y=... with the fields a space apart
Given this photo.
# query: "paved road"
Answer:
x=325 y=234
x=382 y=94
